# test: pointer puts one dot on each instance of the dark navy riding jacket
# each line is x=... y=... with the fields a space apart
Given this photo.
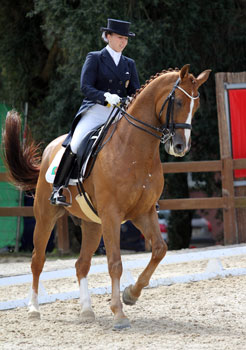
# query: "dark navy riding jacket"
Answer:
x=99 y=75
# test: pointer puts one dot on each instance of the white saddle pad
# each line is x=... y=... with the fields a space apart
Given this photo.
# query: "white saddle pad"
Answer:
x=50 y=175
x=51 y=172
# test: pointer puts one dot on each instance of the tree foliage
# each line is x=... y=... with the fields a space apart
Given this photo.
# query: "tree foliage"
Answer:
x=43 y=45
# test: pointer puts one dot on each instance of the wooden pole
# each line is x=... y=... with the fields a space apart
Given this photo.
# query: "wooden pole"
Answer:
x=63 y=234
x=229 y=217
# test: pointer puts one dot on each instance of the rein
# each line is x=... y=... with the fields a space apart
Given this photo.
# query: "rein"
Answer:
x=168 y=128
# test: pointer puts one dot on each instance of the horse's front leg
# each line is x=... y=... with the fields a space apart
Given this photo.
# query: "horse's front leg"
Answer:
x=149 y=226
x=90 y=241
x=111 y=236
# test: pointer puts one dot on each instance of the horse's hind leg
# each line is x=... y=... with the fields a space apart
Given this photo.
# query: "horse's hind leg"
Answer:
x=91 y=235
x=149 y=226
x=44 y=225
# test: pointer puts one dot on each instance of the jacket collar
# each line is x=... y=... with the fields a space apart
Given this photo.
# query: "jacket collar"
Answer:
x=119 y=70
x=115 y=55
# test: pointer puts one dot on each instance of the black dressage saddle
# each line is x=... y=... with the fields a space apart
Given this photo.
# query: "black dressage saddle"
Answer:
x=90 y=146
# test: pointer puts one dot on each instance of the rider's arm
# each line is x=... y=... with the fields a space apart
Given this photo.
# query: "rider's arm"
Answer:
x=88 y=80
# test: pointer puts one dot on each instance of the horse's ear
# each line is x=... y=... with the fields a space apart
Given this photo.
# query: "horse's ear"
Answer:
x=202 y=77
x=184 y=71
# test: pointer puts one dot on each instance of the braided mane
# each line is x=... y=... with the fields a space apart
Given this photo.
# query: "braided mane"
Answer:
x=153 y=77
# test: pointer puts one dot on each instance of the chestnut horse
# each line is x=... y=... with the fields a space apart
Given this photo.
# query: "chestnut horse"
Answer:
x=125 y=183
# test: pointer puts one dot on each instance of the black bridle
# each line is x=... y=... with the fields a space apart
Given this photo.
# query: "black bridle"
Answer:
x=167 y=129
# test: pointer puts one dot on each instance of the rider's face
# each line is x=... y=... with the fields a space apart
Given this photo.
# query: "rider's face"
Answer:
x=117 y=42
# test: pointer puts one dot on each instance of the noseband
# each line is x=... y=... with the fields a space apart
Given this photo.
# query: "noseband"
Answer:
x=168 y=128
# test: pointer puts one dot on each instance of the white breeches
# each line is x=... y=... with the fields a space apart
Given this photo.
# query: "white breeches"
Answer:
x=96 y=116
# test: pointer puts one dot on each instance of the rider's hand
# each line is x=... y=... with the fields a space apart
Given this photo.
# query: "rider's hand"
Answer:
x=112 y=99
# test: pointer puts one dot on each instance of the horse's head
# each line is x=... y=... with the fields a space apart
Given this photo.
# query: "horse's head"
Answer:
x=177 y=110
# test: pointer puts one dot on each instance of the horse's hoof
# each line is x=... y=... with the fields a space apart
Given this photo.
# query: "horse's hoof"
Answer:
x=121 y=324
x=33 y=315
x=87 y=316
x=127 y=297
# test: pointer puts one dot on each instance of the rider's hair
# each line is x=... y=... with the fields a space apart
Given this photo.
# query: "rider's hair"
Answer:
x=104 y=36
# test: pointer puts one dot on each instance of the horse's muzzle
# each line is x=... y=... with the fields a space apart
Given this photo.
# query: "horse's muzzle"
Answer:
x=177 y=146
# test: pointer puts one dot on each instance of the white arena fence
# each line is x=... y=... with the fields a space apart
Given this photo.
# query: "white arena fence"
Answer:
x=214 y=269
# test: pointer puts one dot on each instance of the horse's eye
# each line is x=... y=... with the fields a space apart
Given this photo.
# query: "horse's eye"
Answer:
x=178 y=102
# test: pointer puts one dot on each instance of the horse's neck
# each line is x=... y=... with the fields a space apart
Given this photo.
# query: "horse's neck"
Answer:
x=144 y=108
x=134 y=141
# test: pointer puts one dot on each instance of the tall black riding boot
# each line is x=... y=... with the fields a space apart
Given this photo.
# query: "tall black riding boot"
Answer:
x=62 y=177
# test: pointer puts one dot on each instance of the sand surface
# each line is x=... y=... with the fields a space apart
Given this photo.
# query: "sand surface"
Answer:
x=205 y=315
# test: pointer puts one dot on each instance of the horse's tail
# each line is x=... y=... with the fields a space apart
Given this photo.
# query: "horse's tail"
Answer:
x=21 y=159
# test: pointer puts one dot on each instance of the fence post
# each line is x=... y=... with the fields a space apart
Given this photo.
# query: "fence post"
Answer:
x=63 y=234
x=229 y=217
x=240 y=191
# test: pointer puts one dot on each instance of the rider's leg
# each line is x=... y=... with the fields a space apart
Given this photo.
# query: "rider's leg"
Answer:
x=93 y=118
x=62 y=177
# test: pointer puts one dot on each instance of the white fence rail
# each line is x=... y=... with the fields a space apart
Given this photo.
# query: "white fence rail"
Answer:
x=214 y=269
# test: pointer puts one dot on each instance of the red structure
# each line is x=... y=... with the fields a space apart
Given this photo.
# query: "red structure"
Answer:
x=237 y=108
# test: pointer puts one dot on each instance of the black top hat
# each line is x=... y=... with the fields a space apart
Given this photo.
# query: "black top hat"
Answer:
x=118 y=27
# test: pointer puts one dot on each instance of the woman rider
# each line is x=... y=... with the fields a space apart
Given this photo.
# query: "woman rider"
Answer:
x=106 y=77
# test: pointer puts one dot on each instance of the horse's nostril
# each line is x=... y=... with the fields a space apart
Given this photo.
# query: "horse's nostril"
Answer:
x=178 y=147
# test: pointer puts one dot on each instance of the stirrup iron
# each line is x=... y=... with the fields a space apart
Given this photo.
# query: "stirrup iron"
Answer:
x=57 y=198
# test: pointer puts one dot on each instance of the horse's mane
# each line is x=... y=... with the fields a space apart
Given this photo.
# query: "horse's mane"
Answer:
x=153 y=77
